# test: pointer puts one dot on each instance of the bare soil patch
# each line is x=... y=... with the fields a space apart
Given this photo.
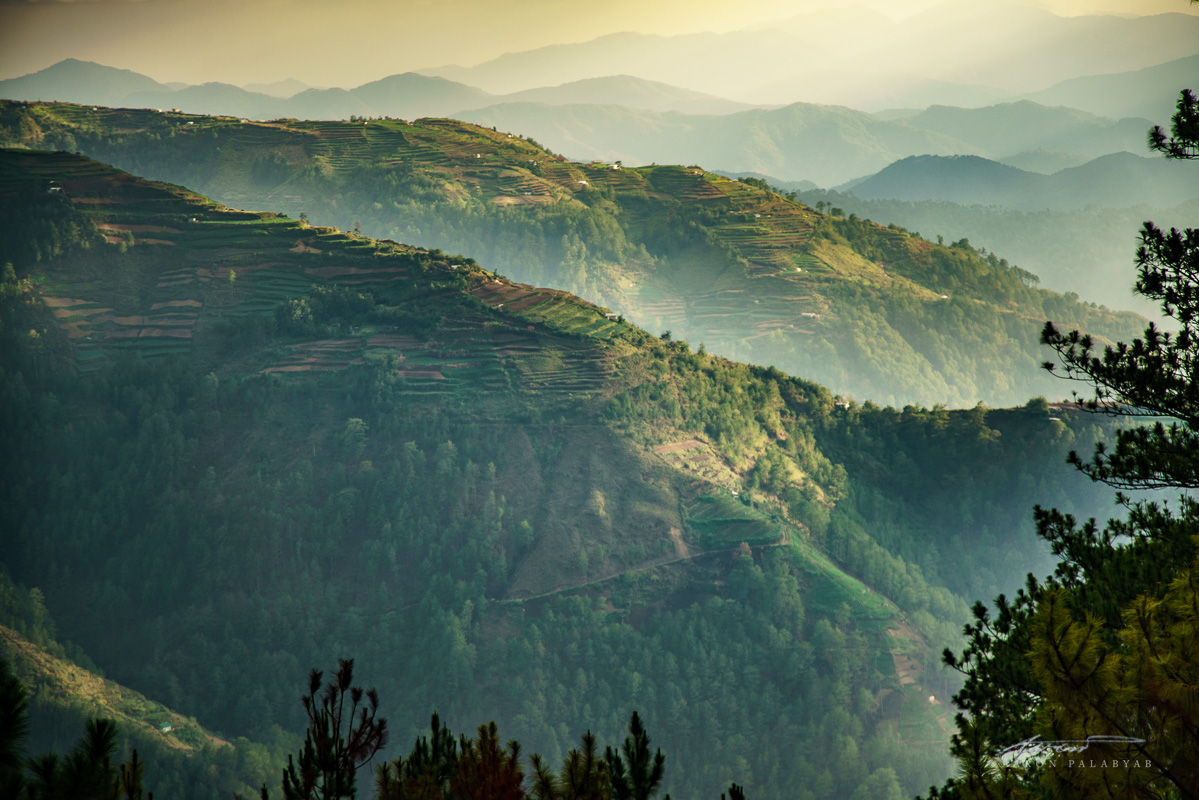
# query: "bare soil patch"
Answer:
x=677 y=447
x=105 y=201
x=108 y=226
x=177 y=304
x=907 y=668
x=395 y=341
x=335 y=272
x=525 y=303
x=62 y=302
x=531 y=200
x=63 y=313
x=680 y=547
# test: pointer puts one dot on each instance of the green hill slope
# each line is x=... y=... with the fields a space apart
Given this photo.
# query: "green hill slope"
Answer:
x=184 y=759
x=242 y=446
x=865 y=310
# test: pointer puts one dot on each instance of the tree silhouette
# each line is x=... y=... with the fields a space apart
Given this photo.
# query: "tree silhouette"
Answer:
x=1104 y=654
x=583 y=776
x=427 y=773
x=338 y=741
x=14 y=726
x=487 y=770
x=636 y=776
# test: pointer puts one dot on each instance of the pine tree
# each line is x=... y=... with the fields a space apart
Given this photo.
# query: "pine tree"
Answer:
x=487 y=770
x=1105 y=652
x=337 y=743
x=129 y=780
x=14 y=726
x=636 y=776
x=584 y=775
x=426 y=773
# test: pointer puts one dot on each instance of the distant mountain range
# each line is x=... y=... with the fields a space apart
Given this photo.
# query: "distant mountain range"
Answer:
x=1010 y=128
x=823 y=144
x=1150 y=92
x=959 y=52
x=828 y=145
x=637 y=121
x=1119 y=180
x=408 y=95
x=74 y=81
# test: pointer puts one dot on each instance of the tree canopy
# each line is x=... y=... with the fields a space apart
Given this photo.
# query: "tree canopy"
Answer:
x=1086 y=684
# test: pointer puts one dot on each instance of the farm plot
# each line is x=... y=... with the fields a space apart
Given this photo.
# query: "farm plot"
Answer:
x=320 y=355
x=721 y=522
x=343 y=145
x=97 y=330
x=561 y=370
x=688 y=183
x=459 y=356
x=832 y=588
x=698 y=459
x=550 y=307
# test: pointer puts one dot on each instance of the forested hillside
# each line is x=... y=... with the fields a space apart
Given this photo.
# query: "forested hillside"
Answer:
x=870 y=311
x=238 y=444
x=65 y=691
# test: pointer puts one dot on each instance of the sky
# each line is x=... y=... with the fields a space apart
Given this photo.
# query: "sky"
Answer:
x=354 y=41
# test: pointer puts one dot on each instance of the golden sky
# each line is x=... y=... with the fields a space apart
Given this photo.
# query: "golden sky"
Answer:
x=349 y=42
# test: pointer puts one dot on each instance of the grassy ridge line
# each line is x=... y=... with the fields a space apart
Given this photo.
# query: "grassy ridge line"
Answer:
x=62 y=679
x=265 y=254
x=866 y=310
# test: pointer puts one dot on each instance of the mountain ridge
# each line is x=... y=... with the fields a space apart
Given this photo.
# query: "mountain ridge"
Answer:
x=1124 y=180
x=422 y=439
x=406 y=95
x=748 y=272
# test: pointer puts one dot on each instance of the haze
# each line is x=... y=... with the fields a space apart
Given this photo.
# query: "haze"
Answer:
x=360 y=40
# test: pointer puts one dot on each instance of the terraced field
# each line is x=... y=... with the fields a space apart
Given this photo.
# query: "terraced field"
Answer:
x=721 y=521
x=765 y=230
x=201 y=268
x=747 y=272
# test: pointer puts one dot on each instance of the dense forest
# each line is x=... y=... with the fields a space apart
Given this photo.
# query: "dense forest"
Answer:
x=241 y=443
x=871 y=311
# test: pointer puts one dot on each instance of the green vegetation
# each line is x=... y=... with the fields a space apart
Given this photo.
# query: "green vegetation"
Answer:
x=1101 y=654
x=870 y=311
x=503 y=503
x=64 y=694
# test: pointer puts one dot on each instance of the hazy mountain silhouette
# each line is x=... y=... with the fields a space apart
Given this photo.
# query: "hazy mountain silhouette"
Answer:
x=410 y=95
x=1150 y=92
x=1118 y=180
x=629 y=91
x=823 y=144
x=961 y=45
x=1011 y=128
x=281 y=89
x=407 y=95
x=76 y=81
x=208 y=98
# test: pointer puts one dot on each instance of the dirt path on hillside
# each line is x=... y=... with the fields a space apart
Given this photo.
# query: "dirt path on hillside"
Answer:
x=681 y=548
x=653 y=563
